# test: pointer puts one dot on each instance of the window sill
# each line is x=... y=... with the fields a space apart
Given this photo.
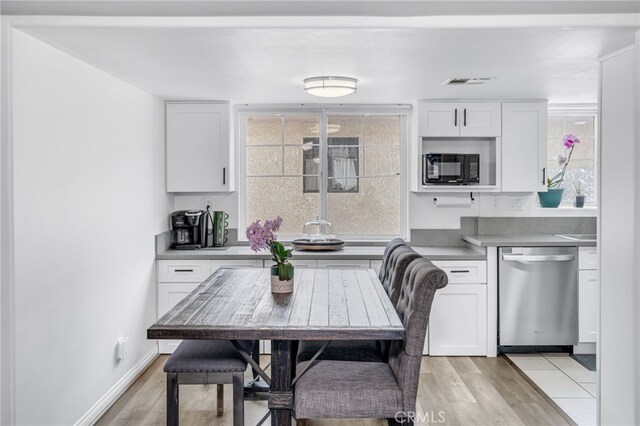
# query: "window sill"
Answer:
x=565 y=211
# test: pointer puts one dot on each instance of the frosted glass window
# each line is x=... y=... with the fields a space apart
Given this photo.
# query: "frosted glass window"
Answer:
x=581 y=173
x=299 y=172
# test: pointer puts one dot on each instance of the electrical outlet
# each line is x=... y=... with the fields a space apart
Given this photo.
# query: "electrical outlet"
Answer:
x=495 y=203
x=208 y=201
x=123 y=348
x=515 y=203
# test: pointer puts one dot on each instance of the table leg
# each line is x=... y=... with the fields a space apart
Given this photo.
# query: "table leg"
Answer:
x=280 y=394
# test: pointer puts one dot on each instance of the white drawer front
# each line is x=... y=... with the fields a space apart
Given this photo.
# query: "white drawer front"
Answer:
x=587 y=257
x=183 y=271
x=464 y=271
x=303 y=263
x=238 y=263
x=343 y=264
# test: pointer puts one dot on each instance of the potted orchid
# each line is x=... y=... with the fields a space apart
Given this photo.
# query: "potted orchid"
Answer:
x=553 y=195
x=263 y=236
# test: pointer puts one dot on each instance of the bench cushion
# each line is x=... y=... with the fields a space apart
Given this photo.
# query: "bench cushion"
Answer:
x=207 y=356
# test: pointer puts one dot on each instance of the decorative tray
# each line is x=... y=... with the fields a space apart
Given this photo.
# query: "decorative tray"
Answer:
x=307 y=244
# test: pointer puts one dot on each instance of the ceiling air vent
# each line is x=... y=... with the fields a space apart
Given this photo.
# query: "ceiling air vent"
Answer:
x=467 y=81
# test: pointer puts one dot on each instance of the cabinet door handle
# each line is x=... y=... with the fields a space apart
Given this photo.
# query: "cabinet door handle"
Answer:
x=455 y=117
x=461 y=271
x=544 y=175
x=465 y=117
x=224 y=175
x=184 y=270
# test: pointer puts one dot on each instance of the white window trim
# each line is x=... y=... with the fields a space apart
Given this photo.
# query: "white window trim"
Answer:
x=567 y=209
x=324 y=110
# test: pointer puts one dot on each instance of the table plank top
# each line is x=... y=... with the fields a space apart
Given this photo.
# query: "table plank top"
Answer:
x=326 y=304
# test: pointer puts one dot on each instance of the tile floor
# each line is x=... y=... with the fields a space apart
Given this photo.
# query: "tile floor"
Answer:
x=565 y=381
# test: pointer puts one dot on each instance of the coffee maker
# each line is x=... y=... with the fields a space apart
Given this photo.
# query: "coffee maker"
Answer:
x=188 y=229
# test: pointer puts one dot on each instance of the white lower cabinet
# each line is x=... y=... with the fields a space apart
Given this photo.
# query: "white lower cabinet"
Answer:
x=458 y=319
x=376 y=265
x=169 y=295
x=588 y=295
x=178 y=278
x=587 y=306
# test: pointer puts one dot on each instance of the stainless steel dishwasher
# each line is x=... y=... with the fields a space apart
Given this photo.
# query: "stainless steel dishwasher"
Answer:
x=538 y=296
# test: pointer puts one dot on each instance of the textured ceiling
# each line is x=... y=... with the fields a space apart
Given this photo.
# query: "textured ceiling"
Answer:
x=393 y=65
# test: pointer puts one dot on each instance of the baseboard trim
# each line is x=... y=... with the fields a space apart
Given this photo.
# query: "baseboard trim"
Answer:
x=116 y=391
x=584 y=348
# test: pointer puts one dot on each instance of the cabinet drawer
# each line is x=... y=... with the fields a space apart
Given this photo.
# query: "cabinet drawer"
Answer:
x=464 y=272
x=587 y=257
x=238 y=263
x=343 y=264
x=183 y=271
x=304 y=263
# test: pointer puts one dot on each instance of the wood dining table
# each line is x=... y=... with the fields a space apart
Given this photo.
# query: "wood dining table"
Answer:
x=326 y=304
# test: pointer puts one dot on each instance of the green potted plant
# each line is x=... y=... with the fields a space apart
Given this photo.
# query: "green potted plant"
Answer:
x=263 y=236
x=553 y=196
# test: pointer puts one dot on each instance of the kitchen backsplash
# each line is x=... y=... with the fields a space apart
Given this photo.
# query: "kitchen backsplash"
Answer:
x=468 y=226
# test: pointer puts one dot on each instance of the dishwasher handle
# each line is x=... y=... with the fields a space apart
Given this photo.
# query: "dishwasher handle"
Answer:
x=539 y=258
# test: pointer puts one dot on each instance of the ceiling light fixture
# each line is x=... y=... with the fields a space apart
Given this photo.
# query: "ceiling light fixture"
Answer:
x=330 y=86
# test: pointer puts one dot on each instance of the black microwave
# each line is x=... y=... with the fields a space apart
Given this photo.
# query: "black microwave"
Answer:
x=450 y=169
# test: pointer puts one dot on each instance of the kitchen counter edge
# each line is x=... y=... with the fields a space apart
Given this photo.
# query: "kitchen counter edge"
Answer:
x=525 y=240
x=348 y=253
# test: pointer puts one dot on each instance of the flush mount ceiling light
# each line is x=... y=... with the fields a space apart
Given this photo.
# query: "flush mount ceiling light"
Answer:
x=330 y=86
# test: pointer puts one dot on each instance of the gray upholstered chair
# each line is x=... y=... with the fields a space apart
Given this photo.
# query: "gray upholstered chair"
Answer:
x=398 y=263
x=206 y=362
x=347 y=389
x=388 y=249
x=365 y=350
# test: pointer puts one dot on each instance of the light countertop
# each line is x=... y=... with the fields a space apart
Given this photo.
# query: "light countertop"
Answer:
x=524 y=240
x=347 y=253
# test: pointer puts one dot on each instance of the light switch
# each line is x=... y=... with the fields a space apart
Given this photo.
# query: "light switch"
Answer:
x=123 y=348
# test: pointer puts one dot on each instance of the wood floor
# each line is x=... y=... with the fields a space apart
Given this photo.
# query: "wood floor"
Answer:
x=453 y=391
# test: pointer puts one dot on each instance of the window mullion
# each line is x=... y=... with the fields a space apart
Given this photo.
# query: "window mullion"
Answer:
x=282 y=123
x=324 y=169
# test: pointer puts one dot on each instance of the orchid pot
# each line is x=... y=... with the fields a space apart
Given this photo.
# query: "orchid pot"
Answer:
x=579 y=201
x=551 y=198
x=279 y=285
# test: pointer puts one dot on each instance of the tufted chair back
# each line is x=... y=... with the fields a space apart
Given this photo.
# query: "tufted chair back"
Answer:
x=399 y=261
x=419 y=285
x=389 y=248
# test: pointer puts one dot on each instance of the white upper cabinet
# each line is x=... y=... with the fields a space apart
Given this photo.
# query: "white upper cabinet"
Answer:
x=198 y=147
x=470 y=119
x=524 y=146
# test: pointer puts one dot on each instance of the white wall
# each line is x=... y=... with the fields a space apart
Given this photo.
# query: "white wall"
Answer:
x=89 y=197
x=618 y=240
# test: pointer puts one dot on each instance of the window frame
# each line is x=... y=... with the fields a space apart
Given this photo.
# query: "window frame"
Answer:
x=574 y=110
x=323 y=111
